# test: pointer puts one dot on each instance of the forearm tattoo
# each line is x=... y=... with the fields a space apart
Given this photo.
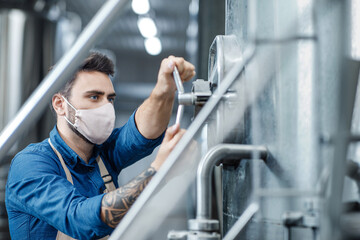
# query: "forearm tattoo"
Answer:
x=115 y=204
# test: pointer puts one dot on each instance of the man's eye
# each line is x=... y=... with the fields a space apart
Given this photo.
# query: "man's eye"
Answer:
x=111 y=100
x=94 y=97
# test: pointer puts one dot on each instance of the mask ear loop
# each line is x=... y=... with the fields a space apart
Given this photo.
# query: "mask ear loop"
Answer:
x=69 y=103
x=72 y=124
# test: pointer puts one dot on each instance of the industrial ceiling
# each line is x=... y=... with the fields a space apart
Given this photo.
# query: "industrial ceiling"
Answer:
x=136 y=69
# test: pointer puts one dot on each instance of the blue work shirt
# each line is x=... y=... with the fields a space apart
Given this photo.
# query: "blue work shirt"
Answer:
x=40 y=200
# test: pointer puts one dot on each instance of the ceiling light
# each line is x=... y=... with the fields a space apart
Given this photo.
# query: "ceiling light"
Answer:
x=153 y=46
x=147 y=27
x=140 y=6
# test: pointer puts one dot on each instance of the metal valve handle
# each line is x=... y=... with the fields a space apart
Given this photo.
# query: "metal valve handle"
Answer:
x=180 y=89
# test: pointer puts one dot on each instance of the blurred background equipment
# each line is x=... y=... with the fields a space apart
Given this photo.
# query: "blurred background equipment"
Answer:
x=272 y=117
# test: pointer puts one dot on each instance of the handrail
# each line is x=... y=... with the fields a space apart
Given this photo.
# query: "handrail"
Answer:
x=242 y=221
x=63 y=70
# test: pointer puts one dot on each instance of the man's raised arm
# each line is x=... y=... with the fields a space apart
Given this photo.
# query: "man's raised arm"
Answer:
x=153 y=116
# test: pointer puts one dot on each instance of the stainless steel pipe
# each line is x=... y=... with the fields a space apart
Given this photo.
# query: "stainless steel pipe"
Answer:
x=215 y=155
x=63 y=70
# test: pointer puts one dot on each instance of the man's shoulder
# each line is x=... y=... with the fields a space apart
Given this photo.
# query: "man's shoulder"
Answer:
x=36 y=157
x=41 y=149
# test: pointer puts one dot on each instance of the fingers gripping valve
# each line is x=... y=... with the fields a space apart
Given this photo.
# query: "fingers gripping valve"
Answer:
x=180 y=89
x=200 y=93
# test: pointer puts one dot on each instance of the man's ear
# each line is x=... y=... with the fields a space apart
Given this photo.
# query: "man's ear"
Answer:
x=58 y=104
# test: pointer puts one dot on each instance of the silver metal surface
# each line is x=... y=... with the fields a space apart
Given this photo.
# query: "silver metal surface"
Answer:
x=202 y=224
x=179 y=114
x=241 y=222
x=187 y=99
x=178 y=81
x=203 y=236
x=292 y=219
x=224 y=52
x=180 y=89
x=156 y=191
x=353 y=170
x=354 y=14
x=199 y=95
x=177 y=235
x=287 y=98
x=206 y=165
x=211 y=225
x=284 y=118
x=349 y=78
x=63 y=70
x=202 y=91
x=12 y=25
x=278 y=99
x=346 y=78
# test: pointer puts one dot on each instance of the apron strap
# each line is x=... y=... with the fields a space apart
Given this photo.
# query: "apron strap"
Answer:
x=109 y=184
x=60 y=235
x=67 y=172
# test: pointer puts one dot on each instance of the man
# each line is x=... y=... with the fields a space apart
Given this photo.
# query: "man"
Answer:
x=55 y=188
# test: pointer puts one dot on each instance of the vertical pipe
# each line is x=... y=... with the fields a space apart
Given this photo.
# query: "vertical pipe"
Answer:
x=15 y=54
x=206 y=165
x=347 y=78
x=3 y=69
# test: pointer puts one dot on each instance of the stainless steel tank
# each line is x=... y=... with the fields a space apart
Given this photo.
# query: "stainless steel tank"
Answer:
x=280 y=80
x=296 y=116
x=282 y=117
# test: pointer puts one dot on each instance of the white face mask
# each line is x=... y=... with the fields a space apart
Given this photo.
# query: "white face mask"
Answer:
x=96 y=125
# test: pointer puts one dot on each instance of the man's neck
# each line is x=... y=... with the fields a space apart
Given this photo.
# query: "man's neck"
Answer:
x=75 y=142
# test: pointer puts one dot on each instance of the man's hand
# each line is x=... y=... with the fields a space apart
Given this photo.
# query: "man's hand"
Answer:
x=172 y=137
x=116 y=204
x=166 y=86
x=153 y=116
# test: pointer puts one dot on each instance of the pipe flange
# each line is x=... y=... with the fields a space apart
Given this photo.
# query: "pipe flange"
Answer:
x=195 y=235
x=177 y=235
x=200 y=224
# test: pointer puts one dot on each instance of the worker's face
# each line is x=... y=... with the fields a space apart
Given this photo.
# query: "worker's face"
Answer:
x=90 y=90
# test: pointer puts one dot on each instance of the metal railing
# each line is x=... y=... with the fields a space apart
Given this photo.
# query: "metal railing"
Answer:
x=242 y=221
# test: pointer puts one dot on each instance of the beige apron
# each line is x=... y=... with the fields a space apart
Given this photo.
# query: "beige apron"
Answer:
x=109 y=184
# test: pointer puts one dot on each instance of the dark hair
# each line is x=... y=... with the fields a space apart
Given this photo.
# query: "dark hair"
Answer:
x=95 y=62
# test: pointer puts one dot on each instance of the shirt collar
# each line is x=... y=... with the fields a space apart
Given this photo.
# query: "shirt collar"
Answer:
x=70 y=156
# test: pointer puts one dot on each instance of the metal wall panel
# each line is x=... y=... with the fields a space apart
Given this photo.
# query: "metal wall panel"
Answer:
x=287 y=99
x=282 y=118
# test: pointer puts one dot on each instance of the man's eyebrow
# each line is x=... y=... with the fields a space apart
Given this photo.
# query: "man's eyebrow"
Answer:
x=100 y=93
x=95 y=92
